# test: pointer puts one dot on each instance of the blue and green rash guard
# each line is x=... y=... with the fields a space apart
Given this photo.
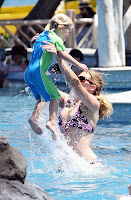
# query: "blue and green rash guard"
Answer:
x=35 y=75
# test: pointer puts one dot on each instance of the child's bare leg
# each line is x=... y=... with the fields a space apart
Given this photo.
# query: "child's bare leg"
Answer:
x=33 y=121
x=51 y=124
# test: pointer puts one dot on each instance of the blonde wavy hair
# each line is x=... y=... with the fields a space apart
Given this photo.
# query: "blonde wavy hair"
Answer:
x=61 y=20
x=106 y=108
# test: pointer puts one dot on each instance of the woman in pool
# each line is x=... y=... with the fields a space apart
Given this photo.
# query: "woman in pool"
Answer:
x=79 y=117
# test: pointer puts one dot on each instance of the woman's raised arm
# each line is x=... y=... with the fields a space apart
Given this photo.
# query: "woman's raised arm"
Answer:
x=71 y=78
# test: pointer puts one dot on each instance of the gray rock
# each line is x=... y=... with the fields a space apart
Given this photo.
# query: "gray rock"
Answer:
x=15 y=190
x=13 y=185
x=12 y=162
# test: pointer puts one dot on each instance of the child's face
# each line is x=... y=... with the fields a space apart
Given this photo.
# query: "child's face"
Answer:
x=63 y=33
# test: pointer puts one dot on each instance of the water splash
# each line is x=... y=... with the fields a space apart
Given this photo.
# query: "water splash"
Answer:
x=60 y=159
x=125 y=198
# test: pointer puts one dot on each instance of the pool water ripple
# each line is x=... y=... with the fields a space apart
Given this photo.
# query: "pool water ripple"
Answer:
x=55 y=167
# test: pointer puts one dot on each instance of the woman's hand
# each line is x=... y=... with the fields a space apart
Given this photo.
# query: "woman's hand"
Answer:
x=83 y=67
x=49 y=47
x=32 y=41
x=35 y=37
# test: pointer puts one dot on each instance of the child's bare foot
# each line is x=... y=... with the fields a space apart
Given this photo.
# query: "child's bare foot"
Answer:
x=52 y=129
x=34 y=125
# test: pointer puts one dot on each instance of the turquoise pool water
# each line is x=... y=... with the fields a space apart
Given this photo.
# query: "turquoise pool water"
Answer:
x=77 y=179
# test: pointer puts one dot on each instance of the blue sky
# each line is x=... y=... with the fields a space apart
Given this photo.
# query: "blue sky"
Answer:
x=19 y=3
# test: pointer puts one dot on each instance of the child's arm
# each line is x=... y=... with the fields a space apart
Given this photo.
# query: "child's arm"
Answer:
x=71 y=60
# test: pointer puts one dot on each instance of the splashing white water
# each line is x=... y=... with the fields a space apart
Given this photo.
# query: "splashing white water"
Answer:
x=60 y=157
x=125 y=198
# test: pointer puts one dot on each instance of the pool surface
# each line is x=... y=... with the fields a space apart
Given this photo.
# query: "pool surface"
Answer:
x=54 y=166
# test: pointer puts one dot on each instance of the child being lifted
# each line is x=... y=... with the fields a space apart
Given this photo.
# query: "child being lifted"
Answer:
x=35 y=74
